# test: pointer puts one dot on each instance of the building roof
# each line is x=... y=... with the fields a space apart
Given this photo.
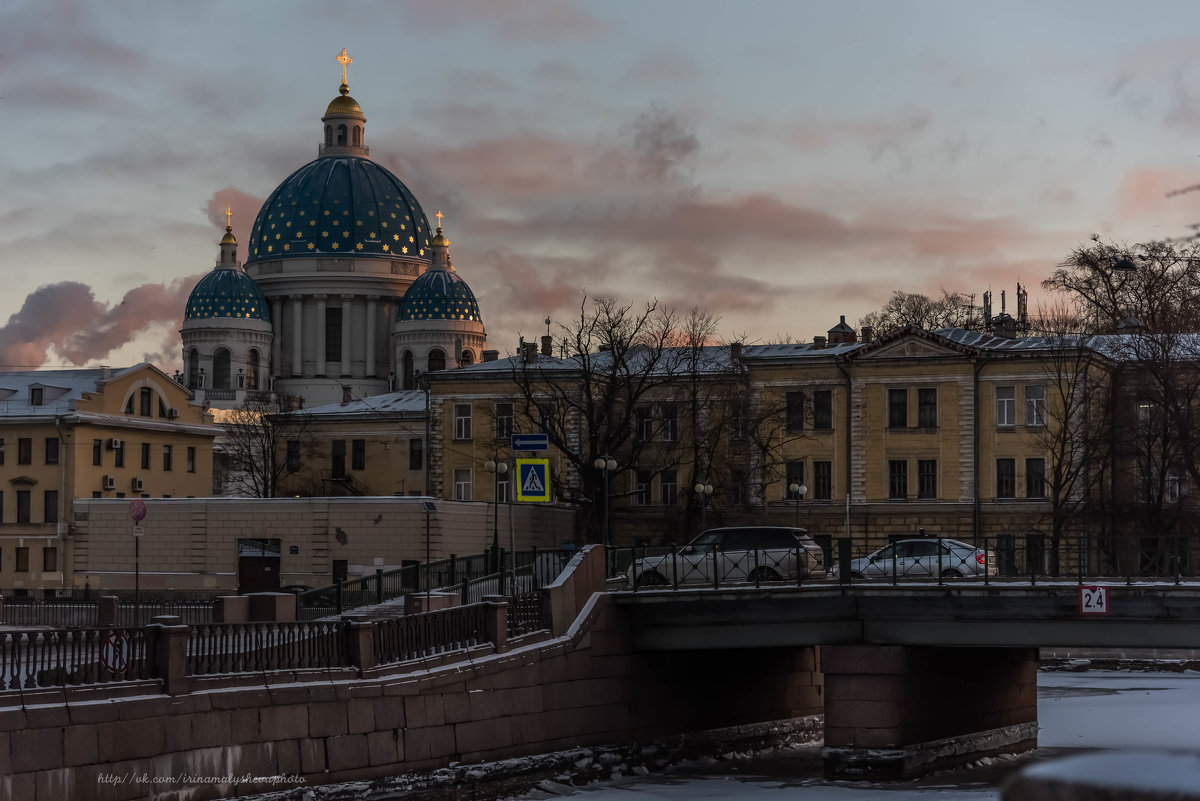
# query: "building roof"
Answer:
x=340 y=206
x=61 y=389
x=404 y=401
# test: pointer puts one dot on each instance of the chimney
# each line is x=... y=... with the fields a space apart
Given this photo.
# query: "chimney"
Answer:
x=530 y=354
x=842 y=334
x=868 y=334
x=547 y=345
x=818 y=342
x=735 y=352
x=491 y=355
x=347 y=396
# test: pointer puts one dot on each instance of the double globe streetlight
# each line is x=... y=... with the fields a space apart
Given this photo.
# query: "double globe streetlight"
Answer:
x=497 y=469
x=799 y=491
x=703 y=493
x=606 y=464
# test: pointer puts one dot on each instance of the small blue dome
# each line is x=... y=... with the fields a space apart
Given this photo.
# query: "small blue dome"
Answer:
x=340 y=206
x=439 y=295
x=226 y=293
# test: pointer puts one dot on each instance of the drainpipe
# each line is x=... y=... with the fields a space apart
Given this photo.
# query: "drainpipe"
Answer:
x=840 y=363
x=64 y=453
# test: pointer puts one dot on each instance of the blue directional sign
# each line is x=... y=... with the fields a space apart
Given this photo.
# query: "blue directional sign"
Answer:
x=533 y=480
x=530 y=442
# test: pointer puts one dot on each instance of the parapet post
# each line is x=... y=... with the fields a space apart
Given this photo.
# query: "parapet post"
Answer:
x=107 y=611
x=360 y=641
x=166 y=645
x=497 y=621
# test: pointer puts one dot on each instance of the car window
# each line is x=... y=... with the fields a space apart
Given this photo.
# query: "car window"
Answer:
x=904 y=550
x=778 y=540
x=921 y=548
x=704 y=542
x=739 y=540
x=885 y=553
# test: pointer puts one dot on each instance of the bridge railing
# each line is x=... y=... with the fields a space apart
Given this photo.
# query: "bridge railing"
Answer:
x=70 y=657
x=1027 y=557
x=429 y=633
x=254 y=647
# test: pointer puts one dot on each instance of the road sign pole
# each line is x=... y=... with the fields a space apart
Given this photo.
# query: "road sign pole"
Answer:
x=137 y=581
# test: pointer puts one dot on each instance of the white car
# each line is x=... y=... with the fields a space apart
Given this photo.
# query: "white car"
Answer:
x=738 y=555
x=924 y=558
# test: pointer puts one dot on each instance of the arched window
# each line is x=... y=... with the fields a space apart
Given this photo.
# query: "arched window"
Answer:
x=193 y=369
x=252 y=363
x=341 y=135
x=466 y=358
x=357 y=135
x=220 y=378
x=329 y=134
x=437 y=360
x=410 y=379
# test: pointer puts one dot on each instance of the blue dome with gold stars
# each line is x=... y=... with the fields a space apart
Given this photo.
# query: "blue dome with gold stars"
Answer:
x=226 y=293
x=439 y=295
x=337 y=206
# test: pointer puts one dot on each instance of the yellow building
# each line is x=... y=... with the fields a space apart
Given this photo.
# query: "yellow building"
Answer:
x=99 y=433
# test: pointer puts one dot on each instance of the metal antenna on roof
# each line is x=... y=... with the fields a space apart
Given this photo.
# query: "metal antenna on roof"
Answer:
x=547 y=325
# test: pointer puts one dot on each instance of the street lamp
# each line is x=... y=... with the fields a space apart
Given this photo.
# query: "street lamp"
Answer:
x=498 y=469
x=799 y=490
x=606 y=464
x=703 y=492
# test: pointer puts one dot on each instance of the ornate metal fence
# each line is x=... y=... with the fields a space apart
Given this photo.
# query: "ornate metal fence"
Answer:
x=429 y=633
x=253 y=647
x=95 y=655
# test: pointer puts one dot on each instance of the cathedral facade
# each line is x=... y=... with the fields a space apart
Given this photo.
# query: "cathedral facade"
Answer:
x=345 y=287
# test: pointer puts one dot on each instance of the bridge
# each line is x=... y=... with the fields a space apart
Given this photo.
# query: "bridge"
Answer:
x=909 y=677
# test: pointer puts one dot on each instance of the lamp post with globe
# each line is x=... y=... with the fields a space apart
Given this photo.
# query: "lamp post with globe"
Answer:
x=798 y=491
x=498 y=470
x=703 y=493
x=606 y=464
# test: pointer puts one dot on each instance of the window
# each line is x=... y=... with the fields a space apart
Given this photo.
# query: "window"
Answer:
x=416 y=454
x=738 y=414
x=822 y=481
x=1035 y=478
x=129 y=405
x=358 y=454
x=22 y=560
x=221 y=371
x=1005 y=407
x=502 y=489
x=926 y=478
x=645 y=424
x=794 y=403
x=51 y=450
x=293 y=455
x=167 y=458
x=1035 y=406
x=823 y=409
x=793 y=474
x=50 y=506
x=739 y=486
x=1174 y=488
x=1 y=450
x=191 y=459
x=927 y=408
x=145 y=396
x=338 y=466
x=668 y=488
x=24 y=450
x=504 y=420
x=641 y=489
x=162 y=408
x=49 y=559
x=253 y=364
x=23 y=506
x=333 y=339
x=1006 y=478
x=670 y=422
x=462 y=421
x=145 y=455
x=462 y=484
x=436 y=360
x=897 y=408
x=119 y=455
x=898 y=479
x=36 y=396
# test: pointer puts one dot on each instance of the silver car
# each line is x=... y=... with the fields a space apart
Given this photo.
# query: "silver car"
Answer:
x=741 y=554
x=924 y=558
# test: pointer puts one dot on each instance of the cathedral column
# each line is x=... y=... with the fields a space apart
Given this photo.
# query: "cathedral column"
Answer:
x=372 y=333
x=320 y=326
x=276 y=367
x=346 y=335
x=297 y=334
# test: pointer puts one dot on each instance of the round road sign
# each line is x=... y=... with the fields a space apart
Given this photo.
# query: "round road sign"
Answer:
x=137 y=509
x=114 y=652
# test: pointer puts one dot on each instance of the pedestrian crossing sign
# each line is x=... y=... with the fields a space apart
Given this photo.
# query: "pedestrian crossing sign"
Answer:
x=533 y=480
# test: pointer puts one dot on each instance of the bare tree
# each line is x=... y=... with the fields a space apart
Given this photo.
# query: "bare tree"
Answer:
x=951 y=310
x=254 y=446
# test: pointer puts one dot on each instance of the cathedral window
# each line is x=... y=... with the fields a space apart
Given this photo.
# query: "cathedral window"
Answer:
x=221 y=369
x=193 y=369
x=253 y=360
x=341 y=140
x=437 y=360
x=328 y=135
x=410 y=381
x=333 y=335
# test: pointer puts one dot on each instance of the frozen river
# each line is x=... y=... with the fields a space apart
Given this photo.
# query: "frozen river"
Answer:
x=1076 y=711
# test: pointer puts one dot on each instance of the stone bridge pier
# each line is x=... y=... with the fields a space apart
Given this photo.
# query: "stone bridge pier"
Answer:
x=893 y=711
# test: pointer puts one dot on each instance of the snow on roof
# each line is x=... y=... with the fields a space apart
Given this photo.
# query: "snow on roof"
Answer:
x=400 y=402
x=61 y=388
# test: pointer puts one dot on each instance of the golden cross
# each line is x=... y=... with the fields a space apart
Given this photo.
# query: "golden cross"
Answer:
x=228 y=217
x=344 y=59
x=439 y=215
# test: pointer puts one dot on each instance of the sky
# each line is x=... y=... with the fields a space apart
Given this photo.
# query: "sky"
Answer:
x=777 y=163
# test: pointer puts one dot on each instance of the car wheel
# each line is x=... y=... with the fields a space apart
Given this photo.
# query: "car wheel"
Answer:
x=951 y=573
x=651 y=579
x=764 y=574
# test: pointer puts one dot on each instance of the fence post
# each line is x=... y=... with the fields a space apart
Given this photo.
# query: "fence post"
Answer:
x=359 y=634
x=108 y=612
x=497 y=621
x=453 y=579
x=378 y=585
x=338 y=596
x=166 y=646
